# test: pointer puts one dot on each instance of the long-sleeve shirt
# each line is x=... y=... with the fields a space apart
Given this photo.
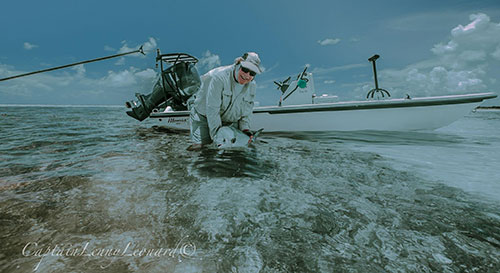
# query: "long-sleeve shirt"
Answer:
x=222 y=99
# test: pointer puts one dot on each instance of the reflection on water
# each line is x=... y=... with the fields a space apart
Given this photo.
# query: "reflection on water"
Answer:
x=129 y=197
x=375 y=137
x=214 y=163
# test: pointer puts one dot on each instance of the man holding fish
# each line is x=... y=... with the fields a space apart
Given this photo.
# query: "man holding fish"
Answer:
x=226 y=98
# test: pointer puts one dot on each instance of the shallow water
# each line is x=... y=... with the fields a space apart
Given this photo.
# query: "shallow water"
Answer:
x=90 y=190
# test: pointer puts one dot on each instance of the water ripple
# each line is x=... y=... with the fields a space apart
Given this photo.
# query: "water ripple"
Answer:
x=302 y=202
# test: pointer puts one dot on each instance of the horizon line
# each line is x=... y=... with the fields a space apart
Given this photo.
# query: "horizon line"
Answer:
x=59 y=105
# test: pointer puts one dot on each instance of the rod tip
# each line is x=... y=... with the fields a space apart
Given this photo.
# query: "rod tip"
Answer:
x=141 y=50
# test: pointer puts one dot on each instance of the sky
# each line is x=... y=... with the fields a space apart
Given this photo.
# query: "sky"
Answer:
x=426 y=47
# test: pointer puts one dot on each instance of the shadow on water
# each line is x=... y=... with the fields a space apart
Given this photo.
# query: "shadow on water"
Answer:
x=171 y=144
x=150 y=133
x=231 y=163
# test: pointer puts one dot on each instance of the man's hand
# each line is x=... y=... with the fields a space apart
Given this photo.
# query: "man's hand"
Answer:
x=249 y=134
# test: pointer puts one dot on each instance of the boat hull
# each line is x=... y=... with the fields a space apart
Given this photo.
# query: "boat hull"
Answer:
x=392 y=115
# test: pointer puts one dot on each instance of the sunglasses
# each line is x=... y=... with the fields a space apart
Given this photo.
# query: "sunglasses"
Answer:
x=246 y=70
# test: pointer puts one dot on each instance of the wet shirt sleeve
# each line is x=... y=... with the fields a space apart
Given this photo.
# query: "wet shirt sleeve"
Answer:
x=214 y=100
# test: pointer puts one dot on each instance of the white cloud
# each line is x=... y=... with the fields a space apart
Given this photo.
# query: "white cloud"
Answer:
x=80 y=70
x=119 y=79
x=209 y=61
x=6 y=70
x=479 y=21
x=329 y=82
x=496 y=54
x=108 y=48
x=473 y=55
x=126 y=48
x=460 y=65
x=120 y=61
x=29 y=46
x=444 y=48
x=439 y=79
x=148 y=46
x=479 y=34
x=130 y=77
x=75 y=86
x=147 y=74
x=329 y=41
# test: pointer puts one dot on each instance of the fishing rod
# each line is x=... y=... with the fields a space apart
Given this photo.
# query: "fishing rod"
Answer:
x=140 y=50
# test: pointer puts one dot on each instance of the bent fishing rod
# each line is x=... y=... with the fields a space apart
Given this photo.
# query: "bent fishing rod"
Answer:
x=140 y=50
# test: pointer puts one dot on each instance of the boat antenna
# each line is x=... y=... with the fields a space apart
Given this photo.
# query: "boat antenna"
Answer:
x=140 y=50
x=376 y=89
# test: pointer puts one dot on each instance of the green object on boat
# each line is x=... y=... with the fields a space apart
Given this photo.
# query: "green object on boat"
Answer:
x=302 y=84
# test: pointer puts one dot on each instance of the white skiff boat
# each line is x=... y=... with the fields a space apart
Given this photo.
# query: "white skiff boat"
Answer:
x=425 y=113
x=300 y=109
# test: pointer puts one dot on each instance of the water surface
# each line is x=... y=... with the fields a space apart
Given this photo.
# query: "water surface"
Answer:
x=86 y=189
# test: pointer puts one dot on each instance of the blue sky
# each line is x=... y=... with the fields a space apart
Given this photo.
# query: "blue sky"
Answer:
x=426 y=47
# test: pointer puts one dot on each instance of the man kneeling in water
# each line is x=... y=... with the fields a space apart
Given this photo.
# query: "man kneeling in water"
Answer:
x=226 y=97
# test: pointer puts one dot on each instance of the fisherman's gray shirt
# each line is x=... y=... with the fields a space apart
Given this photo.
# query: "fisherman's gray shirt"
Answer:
x=219 y=100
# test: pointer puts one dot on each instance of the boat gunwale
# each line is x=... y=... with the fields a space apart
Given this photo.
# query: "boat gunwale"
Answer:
x=357 y=105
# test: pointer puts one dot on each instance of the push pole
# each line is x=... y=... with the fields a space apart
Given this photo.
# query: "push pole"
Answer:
x=376 y=89
x=140 y=50
x=373 y=59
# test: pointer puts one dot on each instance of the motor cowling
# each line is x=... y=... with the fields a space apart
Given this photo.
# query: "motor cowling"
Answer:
x=173 y=88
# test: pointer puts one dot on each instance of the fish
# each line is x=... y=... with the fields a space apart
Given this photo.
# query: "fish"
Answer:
x=230 y=137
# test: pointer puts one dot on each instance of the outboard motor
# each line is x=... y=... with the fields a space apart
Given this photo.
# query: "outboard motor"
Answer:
x=175 y=86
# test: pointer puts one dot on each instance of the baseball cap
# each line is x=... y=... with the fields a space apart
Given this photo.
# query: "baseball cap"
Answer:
x=251 y=61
